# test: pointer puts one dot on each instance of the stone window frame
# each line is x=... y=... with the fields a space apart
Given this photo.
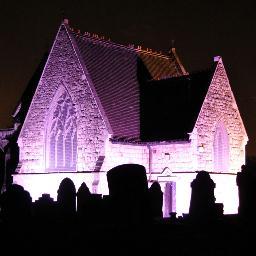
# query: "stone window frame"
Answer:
x=49 y=127
x=221 y=148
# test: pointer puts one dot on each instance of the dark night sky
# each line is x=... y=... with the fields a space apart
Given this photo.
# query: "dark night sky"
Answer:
x=201 y=30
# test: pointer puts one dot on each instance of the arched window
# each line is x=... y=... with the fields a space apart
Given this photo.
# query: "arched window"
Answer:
x=221 y=149
x=62 y=139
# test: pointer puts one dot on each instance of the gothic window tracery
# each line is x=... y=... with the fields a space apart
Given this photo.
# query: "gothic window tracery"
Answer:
x=63 y=136
x=221 y=149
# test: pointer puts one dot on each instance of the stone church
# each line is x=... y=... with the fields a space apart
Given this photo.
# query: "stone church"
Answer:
x=93 y=104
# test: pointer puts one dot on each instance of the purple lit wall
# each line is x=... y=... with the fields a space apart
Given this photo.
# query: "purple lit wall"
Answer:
x=62 y=135
x=221 y=149
x=65 y=130
x=64 y=127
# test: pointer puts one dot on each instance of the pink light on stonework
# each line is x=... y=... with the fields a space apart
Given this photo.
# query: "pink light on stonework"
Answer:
x=37 y=184
x=61 y=148
x=226 y=191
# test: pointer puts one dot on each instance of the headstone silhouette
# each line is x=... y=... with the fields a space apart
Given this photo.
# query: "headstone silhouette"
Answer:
x=83 y=199
x=16 y=204
x=246 y=182
x=66 y=199
x=45 y=207
x=202 y=204
x=155 y=200
x=128 y=192
x=89 y=206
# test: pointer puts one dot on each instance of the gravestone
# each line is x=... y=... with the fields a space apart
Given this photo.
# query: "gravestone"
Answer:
x=202 y=204
x=128 y=191
x=16 y=204
x=45 y=207
x=66 y=199
x=155 y=200
x=246 y=182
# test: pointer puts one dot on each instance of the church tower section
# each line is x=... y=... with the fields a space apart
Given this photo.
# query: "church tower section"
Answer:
x=64 y=129
x=219 y=127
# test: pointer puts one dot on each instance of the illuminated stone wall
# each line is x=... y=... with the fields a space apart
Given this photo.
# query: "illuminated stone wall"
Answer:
x=118 y=153
x=63 y=72
x=226 y=191
x=177 y=156
x=166 y=162
x=37 y=184
x=220 y=106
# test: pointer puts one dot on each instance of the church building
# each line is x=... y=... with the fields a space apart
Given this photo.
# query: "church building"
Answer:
x=94 y=104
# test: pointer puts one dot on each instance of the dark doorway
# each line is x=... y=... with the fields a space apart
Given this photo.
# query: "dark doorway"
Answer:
x=170 y=198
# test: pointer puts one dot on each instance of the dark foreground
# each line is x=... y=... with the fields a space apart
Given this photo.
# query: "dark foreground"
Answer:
x=228 y=236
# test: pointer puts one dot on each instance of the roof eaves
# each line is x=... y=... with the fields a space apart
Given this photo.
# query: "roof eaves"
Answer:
x=137 y=141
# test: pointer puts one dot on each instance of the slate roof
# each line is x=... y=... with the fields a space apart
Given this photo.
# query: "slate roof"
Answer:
x=144 y=95
x=161 y=66
x=117 y=73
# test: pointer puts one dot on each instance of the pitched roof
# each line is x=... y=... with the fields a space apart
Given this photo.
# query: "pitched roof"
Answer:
x=117 y=73
x=161 y=66
x=171 y=106
x=145 y=95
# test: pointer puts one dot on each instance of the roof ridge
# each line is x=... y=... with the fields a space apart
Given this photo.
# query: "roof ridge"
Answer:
x=131 y=47
x=154 y=53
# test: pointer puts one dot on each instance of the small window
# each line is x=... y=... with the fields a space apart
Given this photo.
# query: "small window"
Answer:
x=167 y=156
x=221 y=149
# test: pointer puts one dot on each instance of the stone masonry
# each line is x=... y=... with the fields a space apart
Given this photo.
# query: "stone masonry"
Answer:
x=220 y=106
x=172 y=163
x=63 y=72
